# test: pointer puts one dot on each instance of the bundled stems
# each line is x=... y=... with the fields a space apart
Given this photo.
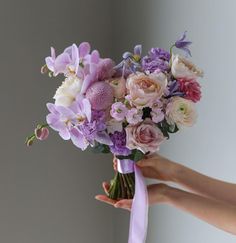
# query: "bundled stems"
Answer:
x=122 y=186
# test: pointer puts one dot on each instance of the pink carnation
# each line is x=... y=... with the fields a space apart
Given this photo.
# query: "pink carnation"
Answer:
x=191 y=89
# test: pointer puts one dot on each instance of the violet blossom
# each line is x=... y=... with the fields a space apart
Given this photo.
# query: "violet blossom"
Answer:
x=118 y=111
x=183 y=44
x=119 y=144
x=131 y=61
x=157 y=60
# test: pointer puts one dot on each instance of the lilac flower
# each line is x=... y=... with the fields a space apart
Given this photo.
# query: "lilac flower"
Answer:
x=157 y=60
x=134 y=116
x=183 y=44
x=63 y=119
x=118 y=111
x=119 y=144
x=60 y=119
x=131 y=61
x=69 y=61
x=157 y=115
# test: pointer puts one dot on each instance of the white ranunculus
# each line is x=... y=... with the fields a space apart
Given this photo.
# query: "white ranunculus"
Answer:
x=68 y=91
x=183 y=68
x=181 y=111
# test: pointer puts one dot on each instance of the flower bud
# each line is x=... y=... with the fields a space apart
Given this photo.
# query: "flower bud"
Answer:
x=41 y=133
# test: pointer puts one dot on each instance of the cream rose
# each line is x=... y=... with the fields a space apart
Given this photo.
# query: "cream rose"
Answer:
x=68 y=91
x=183 y=68
x=181 y=111
x=144 y=90
x=144 y=136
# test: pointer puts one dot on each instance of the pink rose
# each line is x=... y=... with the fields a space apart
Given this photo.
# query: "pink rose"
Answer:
x=191 y=88
x=144 y=136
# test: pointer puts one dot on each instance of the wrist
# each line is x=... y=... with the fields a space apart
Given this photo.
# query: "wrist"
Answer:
x=178 y=172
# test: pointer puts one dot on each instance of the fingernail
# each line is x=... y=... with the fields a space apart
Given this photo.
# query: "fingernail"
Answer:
x=116 y=205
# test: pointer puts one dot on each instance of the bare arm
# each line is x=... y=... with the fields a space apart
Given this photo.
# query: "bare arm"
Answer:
x=158 y=167
x=222 y=216
x=206 y=186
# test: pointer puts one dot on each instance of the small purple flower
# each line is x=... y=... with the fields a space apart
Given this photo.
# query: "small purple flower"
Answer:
x=119 y=144
x=183 y=44
x=134 y=116
x=157 y=60
x=118 y=111
x=131 y=61
x=157 y=115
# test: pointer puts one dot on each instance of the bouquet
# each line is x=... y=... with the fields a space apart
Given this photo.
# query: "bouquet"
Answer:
x=128 y=109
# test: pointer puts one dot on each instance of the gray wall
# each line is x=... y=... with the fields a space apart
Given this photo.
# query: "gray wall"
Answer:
x=209 y=147
x=47 y=191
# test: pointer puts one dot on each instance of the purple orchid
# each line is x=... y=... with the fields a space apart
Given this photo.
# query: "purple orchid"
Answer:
x=183 y=44
x=157 y=60
x=131 y=61
x=63 y=119
x=69 y=61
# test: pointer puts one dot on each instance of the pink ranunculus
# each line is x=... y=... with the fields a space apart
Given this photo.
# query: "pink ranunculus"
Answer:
x=191 y=88
x=144 y=136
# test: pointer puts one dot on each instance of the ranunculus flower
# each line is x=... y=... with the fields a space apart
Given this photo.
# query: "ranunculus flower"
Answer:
x=67 y=92
x=181 y=111
x=144 y=136
x=183 y=68
x=119 y=87
x=145 y=89
x=191 y=89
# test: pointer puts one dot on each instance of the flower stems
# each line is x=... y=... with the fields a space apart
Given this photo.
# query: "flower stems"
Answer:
x=122 y=186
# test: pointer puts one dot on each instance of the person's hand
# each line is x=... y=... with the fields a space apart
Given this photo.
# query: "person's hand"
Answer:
x=156 y=194
x=158 y=167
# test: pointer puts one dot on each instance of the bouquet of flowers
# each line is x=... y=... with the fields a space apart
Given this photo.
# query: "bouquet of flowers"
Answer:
x=128 y=109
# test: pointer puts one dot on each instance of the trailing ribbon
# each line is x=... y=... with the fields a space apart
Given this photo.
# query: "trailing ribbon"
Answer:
x=139 y=210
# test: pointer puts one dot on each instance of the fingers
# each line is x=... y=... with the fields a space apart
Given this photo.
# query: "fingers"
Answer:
x=105 y=199
x=106 y=187
x=124 y=204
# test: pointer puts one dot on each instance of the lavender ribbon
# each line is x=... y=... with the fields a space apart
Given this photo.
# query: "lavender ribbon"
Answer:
x=139 y=210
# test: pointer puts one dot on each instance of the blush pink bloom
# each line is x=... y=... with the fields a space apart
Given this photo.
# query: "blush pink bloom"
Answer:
x=144 y=136
x=191 y=88
x=144 y=89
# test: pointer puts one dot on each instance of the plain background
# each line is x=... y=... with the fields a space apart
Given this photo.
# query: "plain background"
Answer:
x=47 y=191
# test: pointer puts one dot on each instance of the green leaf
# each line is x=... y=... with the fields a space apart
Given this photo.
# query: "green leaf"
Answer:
x=138 y=155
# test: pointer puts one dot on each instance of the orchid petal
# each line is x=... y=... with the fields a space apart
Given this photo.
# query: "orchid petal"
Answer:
x=78 y=139
x=84 y=49
x=65 y=134
x=95 y=57
x=104 y=138
x=87 y=109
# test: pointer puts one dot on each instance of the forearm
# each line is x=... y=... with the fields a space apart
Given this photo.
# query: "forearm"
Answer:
x=214 y=212
x=205 y=186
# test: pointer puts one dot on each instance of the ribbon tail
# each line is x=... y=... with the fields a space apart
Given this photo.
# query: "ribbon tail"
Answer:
x=139 y=211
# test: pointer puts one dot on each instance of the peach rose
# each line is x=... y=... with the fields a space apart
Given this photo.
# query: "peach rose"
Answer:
x=144 y=89
x=144 y=136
